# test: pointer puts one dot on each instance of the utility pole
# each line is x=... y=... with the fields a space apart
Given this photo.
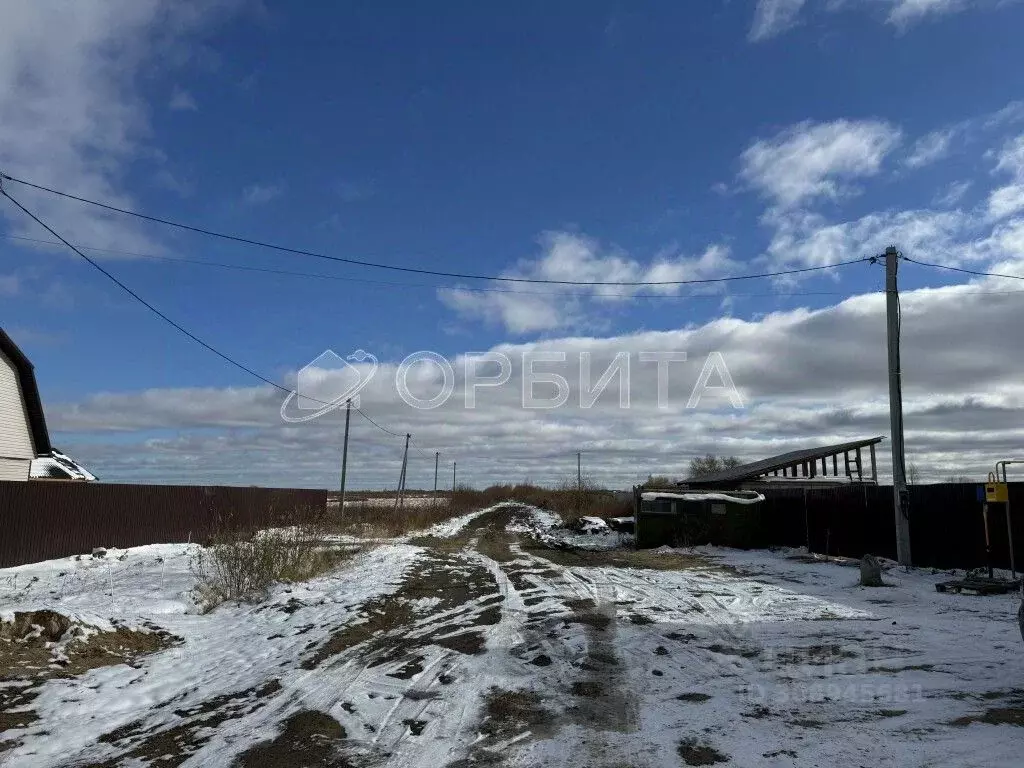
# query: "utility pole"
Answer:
x=579 y=482
x=399 y=500
x=901 y=496
x=344 y=456
x=437 y=457
x=454 y=465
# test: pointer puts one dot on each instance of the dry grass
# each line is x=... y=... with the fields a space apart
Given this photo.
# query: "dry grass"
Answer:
x=375 y=521
x=566 y=500
x=372 y=520
x=242 y=564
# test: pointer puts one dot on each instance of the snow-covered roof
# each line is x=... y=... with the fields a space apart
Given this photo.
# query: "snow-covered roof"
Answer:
x=733 y=497
x=58 y=466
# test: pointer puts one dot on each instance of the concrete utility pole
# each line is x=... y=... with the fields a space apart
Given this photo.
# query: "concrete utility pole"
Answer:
x=901 y=496
x=399 y=500
x=437 y=458
x=344 y=455
x=579 y=482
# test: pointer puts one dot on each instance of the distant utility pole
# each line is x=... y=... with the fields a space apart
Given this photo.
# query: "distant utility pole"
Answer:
x=901 y=496
x=437 y=458
x=344 y=456
x=399 y=500
x=579 y=482
x=454 y=465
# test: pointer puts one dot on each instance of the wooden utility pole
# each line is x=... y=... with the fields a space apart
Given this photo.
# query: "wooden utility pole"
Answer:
x=901 y=496
x=344 y=456
x=454 y=465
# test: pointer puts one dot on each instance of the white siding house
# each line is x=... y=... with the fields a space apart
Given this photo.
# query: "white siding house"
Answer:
x=23 y=434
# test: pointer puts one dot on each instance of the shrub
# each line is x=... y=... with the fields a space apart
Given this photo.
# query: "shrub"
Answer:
x=242 y=564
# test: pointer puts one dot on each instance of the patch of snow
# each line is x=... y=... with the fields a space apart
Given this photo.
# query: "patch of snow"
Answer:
x=733 y=497
x=232 y=648
x=537 y=521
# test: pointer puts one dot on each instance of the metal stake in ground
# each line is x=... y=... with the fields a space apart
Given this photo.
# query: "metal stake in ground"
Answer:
x=901 y=496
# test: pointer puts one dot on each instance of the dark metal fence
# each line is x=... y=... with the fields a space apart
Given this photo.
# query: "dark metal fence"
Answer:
x=946 y=524
x=45 y=520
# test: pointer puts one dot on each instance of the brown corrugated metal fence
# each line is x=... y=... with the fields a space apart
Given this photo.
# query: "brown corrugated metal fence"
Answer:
x=45 y=520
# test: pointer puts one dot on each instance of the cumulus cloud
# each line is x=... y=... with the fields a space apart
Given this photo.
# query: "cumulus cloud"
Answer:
x=808 y=239
x=772 y=17
x=806 y=378
x=531 y=308
x=813 y=160
x=73 y=116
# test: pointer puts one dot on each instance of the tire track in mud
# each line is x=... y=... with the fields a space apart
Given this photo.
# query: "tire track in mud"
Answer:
x=399 y=677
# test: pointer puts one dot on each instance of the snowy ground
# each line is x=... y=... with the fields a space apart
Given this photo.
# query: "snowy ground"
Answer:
x=475 y=645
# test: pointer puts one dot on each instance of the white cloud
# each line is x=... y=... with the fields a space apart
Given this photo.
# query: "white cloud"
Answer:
x=532 y=308
x=929 y=148
x=259 y=194
x=906 y=12
x=772 y=17
x=803 y=239
x=182 y=101
x=1007 y=200
x=73 y=118
x=808 y=377
x=811 y=160
x=1011 y=157
x=953 y=194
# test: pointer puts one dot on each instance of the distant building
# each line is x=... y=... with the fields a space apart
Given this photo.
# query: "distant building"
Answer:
x=726 y=507
x=25 y=450
x=852 y=462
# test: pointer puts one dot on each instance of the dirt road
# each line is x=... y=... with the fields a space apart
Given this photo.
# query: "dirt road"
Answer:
x=488 y=649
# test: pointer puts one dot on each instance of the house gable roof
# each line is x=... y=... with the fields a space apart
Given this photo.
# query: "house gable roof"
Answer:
x=30 y=393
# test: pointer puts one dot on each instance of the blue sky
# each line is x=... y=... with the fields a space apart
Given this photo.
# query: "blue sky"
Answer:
x=597 y=140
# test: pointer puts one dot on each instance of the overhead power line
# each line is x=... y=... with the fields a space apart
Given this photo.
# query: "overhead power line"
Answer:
x=431 y=286
x=978 y=272
x=417 y=270
x=362 y=413
x=177 y=326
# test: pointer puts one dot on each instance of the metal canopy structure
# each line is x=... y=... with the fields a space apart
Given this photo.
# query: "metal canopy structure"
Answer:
x=810 y=463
